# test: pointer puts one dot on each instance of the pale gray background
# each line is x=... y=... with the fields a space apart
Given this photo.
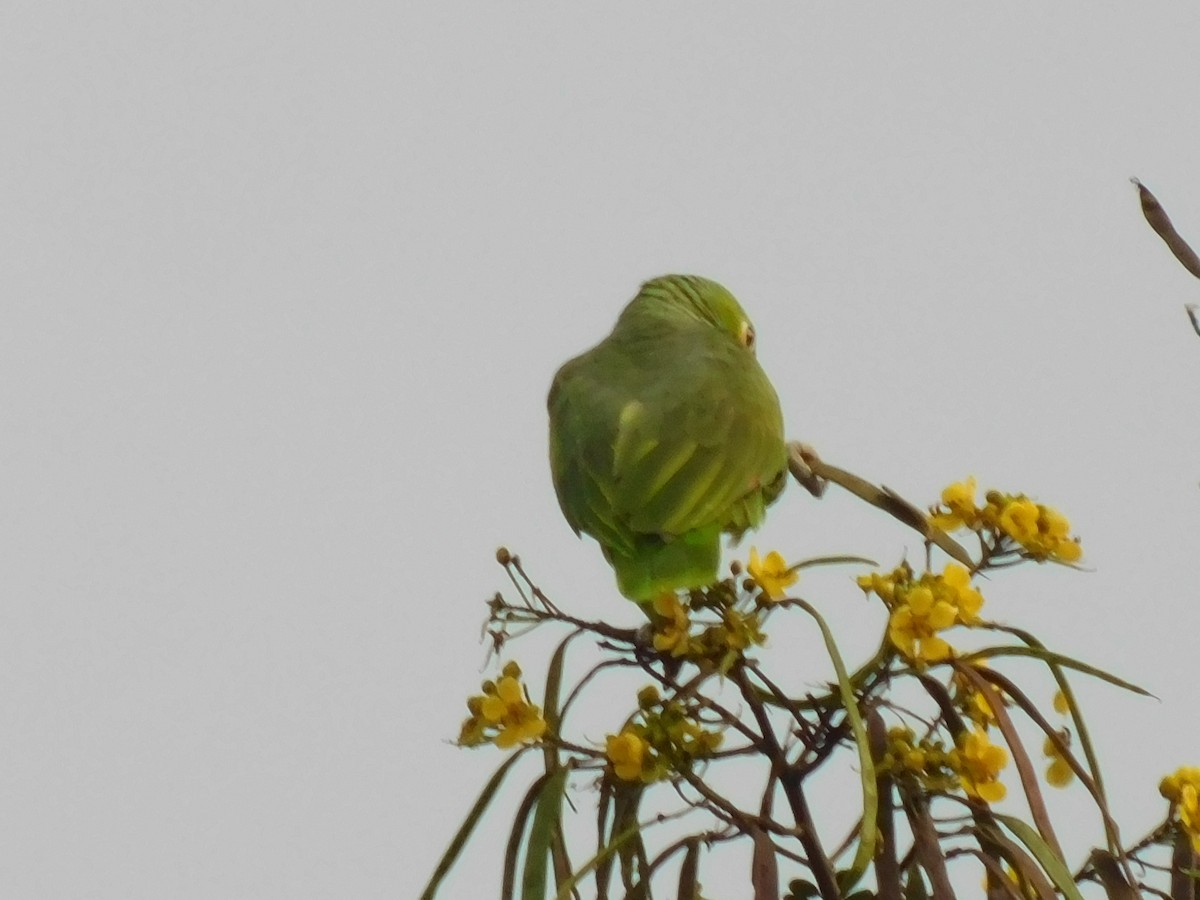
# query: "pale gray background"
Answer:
x=283 y=288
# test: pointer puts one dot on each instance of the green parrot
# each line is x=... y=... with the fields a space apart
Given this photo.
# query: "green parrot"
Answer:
x=666 y=434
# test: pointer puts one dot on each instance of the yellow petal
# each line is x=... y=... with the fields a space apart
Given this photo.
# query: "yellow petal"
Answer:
x=920 y=600
x=934 y=649
x=493 y=708
x=509 y=737
x=509 y=690
x=942 y=615
x=1059 y=774
x=990 y=791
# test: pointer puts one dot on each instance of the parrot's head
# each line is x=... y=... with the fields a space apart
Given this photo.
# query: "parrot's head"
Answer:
x=672 y=299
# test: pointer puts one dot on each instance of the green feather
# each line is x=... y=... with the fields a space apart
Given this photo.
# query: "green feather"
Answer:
x=666 y=434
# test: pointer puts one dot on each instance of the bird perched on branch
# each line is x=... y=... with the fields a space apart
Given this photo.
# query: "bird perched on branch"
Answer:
x=665 y=435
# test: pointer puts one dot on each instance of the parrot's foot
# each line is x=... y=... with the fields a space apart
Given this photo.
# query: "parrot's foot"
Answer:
x=804 y=463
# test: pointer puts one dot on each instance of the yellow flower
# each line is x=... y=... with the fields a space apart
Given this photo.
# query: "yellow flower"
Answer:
x=1059 y=773
x=771 y=574
x=1019 y=520
x=1042 y=531
x=959 y=502
x=978 y=763
x=627 y=753
x=1054 y=537
x=671 y=634
x=914 y=626
x=505 y=709
x=1061 y=706
x=966 y=598
x=1182 y=788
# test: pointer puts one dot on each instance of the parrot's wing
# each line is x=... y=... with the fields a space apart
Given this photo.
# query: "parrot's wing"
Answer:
x=663 y=444
x=701 y=455
x=582 y=417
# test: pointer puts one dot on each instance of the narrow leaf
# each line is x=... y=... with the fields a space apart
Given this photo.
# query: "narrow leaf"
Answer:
x=516 y=837
x=1050 y=861
x=606 y=852
x=1093 y=787
x=464 y=832
x=553 y=717
x=1029 y=781
x=603 y=866
x=866 y=765
x=1049 y=656
x=550 y=711
x=546 y=821
x=1096 y=785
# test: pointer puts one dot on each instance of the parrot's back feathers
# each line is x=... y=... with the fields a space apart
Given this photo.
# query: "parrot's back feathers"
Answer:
x=666 y=434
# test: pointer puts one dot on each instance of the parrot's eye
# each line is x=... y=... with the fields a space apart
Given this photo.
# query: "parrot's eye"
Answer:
x=747 y=336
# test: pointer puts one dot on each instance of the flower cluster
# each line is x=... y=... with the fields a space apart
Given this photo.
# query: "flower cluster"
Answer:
x=977 y=762
x=502 y=714
x=1042 y=533
x=925 y=761
x=974 y=764
x=736 y=633
x=923 y=607
x=666 y=740
x=720 y=642
x=1182 y=788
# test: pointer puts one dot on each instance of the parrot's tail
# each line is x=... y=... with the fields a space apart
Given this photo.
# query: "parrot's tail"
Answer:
x=658 y=565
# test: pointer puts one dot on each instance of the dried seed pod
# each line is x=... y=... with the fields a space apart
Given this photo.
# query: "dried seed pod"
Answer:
x=1161 y=223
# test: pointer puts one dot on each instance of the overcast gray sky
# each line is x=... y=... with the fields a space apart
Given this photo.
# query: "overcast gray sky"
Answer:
x=284 y=286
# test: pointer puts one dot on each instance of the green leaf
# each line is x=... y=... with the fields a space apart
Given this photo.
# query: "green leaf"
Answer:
x=1050 y=861
x=564 y=890
x=1081 y=730
x=516 y=837
x=866 y=765
x=541 y=835
x=464 y=832
x=554 y=674
x=1049 y=656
